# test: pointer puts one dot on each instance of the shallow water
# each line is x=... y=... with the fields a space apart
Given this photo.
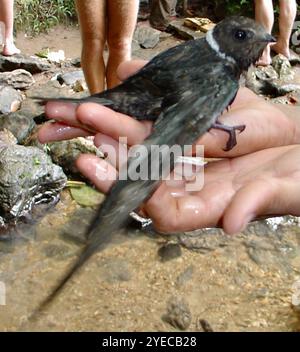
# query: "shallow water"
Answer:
x=240 y=283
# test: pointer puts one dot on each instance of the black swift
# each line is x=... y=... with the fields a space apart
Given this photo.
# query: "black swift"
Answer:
x=183 y=90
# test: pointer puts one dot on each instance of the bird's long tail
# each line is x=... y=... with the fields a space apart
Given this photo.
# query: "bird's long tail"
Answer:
x=124 y=197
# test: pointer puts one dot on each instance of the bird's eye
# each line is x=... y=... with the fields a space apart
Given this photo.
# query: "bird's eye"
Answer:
x=240 y=34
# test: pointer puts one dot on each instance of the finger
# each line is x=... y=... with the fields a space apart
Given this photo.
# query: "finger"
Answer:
x=113 y=124
x=128 y=68
x=101 y=173
x=61 y=111
x=116 y=153
x=257 y=198
x=65 y=113
x=51 y=132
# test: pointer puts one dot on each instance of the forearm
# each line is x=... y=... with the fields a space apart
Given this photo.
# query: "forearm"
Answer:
x=293 y=114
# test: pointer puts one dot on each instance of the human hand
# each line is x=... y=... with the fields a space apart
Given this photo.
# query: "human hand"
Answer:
x=267 y=126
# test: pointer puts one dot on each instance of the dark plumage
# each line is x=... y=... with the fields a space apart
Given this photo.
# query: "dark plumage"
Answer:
x=183 y=90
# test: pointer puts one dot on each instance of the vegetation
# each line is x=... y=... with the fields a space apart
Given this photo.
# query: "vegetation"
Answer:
x=36 y=16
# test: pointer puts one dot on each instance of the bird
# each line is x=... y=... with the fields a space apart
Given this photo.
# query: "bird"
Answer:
x=183 y=90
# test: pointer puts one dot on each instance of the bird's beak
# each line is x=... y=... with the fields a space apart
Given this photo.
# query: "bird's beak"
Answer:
x=268 y=38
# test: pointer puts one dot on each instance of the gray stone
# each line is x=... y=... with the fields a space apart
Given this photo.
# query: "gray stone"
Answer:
x=147 y=37
x=178 y=313
x=53 y=89
x=18 y=79
x=169 y=251
x=266 y=81
x=76 y=62
x=185 y=276
x=58 y=251
x=65 y=153
x=27 y=177
x=10 y=100
x=270 y=252
x=30 y=64
x=70 y=78
x=283 y=67
x=19 y=123
x=115 y=270
x=203 y=241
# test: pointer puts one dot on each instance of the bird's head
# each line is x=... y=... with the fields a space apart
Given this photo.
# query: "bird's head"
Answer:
x=239 y=39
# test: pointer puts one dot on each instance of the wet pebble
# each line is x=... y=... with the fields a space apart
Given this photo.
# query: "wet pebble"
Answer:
x=185 y=276
x=58 y=251
x=204 y=241
x=10 y=99
x=178 y=313
x=115 y=270
x=169 y=251
x=70 y=78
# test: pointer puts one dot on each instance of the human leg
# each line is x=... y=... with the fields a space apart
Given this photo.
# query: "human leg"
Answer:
x=92 y=20
x=122 y=17
x=160 y=12
x=264 y=14
x=7 y=17
x=287 y=15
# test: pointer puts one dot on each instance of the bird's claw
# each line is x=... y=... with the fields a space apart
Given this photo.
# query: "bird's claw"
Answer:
x=231 y=130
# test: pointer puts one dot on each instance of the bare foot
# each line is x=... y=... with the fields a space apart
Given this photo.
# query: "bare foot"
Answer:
x=282 y=48
x=10 y=49
x=265 y=59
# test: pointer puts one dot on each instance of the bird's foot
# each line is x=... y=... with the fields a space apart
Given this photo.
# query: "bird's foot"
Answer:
x=231 y=130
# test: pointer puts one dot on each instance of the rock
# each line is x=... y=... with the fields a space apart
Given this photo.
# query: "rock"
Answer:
x=169 y=251
x=265 y=81
x=53 y=89
x=258 y=79
x=115 y=270
x=56 y=56
x=271 y=252
x=80 y=86
x=294 y=60
x=70 y=78
x=204 y=241
x=74 y=231
x=179 y=28
x=19 y=123
x=204 y=326
x=283 y=67
x=76 y=62
x=30 y=64
x=27 y=177
x=178 y=313
x=58 y=251
x=185 y=276
x=65 y=153
x=10 y=100
x=18 y=79
x=147 y=37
